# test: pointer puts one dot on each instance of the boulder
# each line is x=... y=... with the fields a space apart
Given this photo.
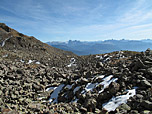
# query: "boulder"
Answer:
x=99 y=64
x=133 y=112
x=124 y=107
x=145 y=83
x=8 y=111
x=149 y=70
x=35 y=106
x=146 y=112
x=104 y=96
x=90 y=104
x=84 y=81
x=147 y=104
x=114 y=88
x=148 y=52
x=83 y=110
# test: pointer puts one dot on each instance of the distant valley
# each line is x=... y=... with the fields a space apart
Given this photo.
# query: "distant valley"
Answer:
x=98 y=47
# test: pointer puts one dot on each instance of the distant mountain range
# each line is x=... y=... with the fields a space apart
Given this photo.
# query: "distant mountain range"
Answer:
x=99 y=47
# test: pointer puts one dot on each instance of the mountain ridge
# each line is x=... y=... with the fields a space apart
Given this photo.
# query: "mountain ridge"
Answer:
x=28 y=47
x=107 y=46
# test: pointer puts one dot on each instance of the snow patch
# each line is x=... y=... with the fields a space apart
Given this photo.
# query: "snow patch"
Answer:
x=5 y=55
x=30 y=61
x=37 y=62
x=89 y=87
x=69 y=86
x=117 y=101
x=76 y=89
x=101 y=76
x=100 y=57
x=106 y=82
x=54 y=95
x=75 y=100
x=3 y=43
x=50 y=88
x=72 y=63
x=22 y=61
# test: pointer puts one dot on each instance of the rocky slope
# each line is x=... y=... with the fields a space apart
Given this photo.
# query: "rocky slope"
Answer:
x=26 y=48
x=112 y=83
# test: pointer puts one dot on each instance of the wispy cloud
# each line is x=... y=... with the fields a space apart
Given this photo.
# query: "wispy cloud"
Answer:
x=85 y=19
x=140 y=12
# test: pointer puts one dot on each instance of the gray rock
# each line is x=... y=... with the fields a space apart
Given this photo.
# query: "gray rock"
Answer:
x=133 y=112
x=104 y=96
x=11 y=77
x=90 y=103
x=148 y=51
x=149 y=70
x=82 y=109
x=8 y=111
x=139 y=96
x=35 y=106
x=147 y=63
x=97 y=111
x=146 y=112
x=145 y=83
x=124 y=107
x=147 y=104
x=84 y=81
x=114 y=88
x=99 y=64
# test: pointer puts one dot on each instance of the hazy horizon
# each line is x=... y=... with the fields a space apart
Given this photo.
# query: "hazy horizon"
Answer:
x=100 y=40
x=85 y=20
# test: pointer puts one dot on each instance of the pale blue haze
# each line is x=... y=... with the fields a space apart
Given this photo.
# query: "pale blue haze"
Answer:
x=85 y=20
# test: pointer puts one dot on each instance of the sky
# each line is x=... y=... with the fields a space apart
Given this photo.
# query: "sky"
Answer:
x=84 y=20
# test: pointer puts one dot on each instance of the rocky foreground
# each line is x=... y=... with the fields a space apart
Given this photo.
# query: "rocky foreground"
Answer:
x=114 y=83
x=36 y=78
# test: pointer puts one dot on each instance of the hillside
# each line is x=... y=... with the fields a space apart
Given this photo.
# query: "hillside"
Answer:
x=29 y=48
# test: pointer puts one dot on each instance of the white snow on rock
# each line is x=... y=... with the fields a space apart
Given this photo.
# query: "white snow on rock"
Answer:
x=54 y=95
x=5 y=55
x=106 y=82
x=33 y=61
x=89 y=87
x=50 y=88
x=30 y=61
x=3 y=43
x=76 y=89
x=100 y=57
x=101 y=76
x=117 y=101
x=38 y=62
x=69 y=86
x=22 y=61
x=104 y=58
x=72 y=63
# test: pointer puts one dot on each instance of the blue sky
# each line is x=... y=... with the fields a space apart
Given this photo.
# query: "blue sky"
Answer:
x=85 y=20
